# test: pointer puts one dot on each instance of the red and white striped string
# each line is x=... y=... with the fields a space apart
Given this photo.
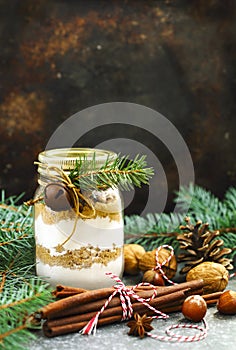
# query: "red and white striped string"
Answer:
x=165 y=262
x=173 y=337
x=126 y=293
x=170 y=336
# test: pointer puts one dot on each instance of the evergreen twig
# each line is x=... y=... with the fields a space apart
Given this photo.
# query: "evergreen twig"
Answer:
x=157 y=229
x=115 y=172
x=21 y=293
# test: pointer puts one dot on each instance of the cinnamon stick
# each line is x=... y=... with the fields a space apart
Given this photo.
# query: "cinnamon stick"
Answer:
x=66 y=291
x=95 y=305
x=95 y=299
x=194 y=284
x=76 y=323
x=75 y=300
x=212 y=296
x=62 y=291
x=75 y=327
x=56 y=310
x=166 y=304
x=212 y=302
x=62 y=323
x=178 y=307
x=137 y=307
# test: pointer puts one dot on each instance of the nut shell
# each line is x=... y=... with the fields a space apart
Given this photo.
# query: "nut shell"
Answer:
x=148 y=262
x=227 y=303
x=214 y=275
x=194 y=308
x=153 y=277
x=132 y=255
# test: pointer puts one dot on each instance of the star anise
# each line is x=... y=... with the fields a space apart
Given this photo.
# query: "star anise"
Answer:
x=140 y=325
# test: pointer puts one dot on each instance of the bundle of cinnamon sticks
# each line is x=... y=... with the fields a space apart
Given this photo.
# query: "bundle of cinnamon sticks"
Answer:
x=76 y=306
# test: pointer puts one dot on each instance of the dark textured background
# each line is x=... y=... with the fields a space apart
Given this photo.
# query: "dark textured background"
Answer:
x=177 y=57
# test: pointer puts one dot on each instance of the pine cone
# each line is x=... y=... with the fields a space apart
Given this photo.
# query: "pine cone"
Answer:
x=199 y=244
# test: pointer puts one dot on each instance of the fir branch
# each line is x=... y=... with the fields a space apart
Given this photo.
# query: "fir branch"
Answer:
x=2 y=281
x=10 y=332
x=154 y=230
x=13 y=240
x=16 y=234
x=21 y=293
x=207 y=207
x=12 y=297
x=230 y=199
x=119 y=172
x=158 y=229
x=17 y=306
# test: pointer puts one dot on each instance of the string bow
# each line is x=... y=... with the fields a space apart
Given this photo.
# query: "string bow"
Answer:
x=125 y=294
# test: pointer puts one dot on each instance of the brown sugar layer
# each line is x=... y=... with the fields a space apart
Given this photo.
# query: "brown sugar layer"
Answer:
x=51 y=217
x=84 y=257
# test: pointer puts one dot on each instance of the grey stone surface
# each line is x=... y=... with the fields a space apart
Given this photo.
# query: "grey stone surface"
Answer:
x=221 y=335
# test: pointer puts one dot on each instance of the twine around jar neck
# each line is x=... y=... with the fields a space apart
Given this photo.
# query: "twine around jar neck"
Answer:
x=55 y=174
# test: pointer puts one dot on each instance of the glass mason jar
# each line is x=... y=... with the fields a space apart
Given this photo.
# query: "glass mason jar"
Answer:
x=78 y=232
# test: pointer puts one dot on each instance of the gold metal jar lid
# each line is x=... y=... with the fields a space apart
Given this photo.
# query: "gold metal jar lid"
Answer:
x=66 y=158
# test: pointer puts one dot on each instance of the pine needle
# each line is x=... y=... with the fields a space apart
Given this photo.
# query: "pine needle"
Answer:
x=21 y=292
x=157 y=229
x=119 y=172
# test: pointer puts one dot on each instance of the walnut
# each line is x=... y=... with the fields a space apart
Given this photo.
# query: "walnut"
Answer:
x=148 y=262
x=214 y=275
x=132 y=255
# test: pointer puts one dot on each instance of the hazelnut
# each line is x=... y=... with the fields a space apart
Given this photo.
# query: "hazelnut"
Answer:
x=214 y=275
x=148 y=262
x=227 y=303
x=132 y=255
x=194 y=308
x=153 y=277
